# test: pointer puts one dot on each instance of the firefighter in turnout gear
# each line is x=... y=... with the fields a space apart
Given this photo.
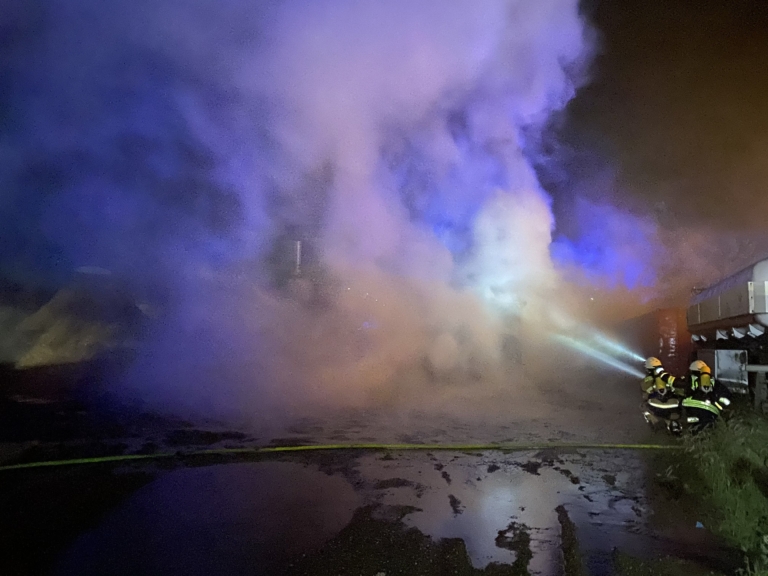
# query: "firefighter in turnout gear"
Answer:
x=705 y=398
x=659 y=393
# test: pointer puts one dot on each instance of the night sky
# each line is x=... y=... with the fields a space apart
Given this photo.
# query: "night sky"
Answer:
x=674 y=122
x=679 y=100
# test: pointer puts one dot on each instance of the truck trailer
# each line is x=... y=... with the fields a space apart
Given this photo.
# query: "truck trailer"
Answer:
x=728 y=323
x=725 y=325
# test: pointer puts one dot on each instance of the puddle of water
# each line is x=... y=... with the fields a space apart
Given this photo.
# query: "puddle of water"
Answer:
x=253 y=518
x=230 y=519
x=477 y=503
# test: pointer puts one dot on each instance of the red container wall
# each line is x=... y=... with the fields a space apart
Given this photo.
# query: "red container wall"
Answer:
x=662 y=333
x=675 y=344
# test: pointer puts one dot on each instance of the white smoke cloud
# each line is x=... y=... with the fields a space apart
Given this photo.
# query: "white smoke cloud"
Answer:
x=360 y=127
x=338 y=83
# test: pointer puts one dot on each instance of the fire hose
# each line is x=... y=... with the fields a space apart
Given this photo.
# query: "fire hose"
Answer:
x=265 y=450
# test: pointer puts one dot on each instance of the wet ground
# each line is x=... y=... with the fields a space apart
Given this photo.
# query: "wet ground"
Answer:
x=346 y=513
x=362 y=513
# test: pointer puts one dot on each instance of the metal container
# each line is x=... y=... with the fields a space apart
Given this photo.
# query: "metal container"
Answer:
x=735 y=307
x=663 y=334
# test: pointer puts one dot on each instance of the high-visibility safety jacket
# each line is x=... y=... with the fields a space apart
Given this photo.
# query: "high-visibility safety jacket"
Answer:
x=693 y=385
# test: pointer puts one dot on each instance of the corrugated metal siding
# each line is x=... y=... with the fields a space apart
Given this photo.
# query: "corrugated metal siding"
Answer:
x=735 y=302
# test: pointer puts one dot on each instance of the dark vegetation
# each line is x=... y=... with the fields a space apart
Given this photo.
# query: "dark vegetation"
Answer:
x=722 y=478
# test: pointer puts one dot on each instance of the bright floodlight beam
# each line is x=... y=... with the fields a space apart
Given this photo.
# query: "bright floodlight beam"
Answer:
x=619 y=349
x=567 y=324
x=597 y=355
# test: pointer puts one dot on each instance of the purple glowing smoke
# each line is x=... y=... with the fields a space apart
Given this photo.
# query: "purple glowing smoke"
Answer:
x=181 y=144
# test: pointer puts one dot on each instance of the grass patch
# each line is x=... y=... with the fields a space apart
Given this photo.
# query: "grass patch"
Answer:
x=727 y=472
x=625 y=565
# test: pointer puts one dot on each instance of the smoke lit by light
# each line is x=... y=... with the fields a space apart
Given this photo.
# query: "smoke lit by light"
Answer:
x=616 y=348
x=597 y=355
x=335 y=196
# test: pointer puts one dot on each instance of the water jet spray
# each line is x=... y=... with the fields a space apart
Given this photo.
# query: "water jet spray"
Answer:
x=597 y=355
x=618 y=349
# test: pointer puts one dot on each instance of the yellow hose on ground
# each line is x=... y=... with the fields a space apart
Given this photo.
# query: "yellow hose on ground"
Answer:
x=329 y=447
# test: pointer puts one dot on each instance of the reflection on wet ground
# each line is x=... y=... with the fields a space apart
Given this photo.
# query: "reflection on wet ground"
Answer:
x=340 y=513
x=486 y=499
x=258 y=518
x=233 y=519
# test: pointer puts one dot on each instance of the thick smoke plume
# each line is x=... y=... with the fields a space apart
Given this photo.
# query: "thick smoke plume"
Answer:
x=187 y=146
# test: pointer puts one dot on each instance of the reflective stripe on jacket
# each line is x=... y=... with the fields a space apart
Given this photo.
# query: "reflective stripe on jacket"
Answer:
x=701 y=404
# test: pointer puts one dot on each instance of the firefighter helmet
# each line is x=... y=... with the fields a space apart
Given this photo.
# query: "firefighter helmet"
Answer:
x=652 y=363
x=699 y=366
